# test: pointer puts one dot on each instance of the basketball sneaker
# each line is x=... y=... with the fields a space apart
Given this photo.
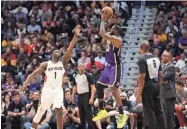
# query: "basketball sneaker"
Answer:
x=121 y=120
x=101 y=114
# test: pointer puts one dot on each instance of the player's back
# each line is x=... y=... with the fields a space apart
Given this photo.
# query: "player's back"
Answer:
x=54 y=75
x=152 y=67
x=113 y=54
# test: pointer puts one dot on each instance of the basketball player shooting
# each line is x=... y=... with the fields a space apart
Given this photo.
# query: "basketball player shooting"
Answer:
x=110 y=77
x=52 y=92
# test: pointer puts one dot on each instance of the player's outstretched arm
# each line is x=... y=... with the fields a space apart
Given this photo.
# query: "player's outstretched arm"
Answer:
x=39 y=70
x=69 y=50
x=114 y=39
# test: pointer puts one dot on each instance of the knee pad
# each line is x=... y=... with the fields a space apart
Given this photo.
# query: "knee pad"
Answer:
x=39 y=114
x=100 y=90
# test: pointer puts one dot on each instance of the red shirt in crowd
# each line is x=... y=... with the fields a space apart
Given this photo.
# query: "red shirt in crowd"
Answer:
x=96 y=63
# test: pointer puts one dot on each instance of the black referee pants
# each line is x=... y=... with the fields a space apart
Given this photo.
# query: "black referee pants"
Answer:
x=153 y=115
x=85 y=111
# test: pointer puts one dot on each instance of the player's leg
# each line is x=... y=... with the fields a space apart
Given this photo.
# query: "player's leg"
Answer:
x=46 y=95
x=114 y=78
x=59 y=116
x=100 y=94
x=101 y=85
x=57 y=105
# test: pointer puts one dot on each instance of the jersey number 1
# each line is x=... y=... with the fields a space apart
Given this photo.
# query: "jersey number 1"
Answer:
x=55 y=75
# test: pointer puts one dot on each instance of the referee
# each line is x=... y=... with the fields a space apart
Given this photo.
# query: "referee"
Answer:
x=148 y=87
x=85 y=87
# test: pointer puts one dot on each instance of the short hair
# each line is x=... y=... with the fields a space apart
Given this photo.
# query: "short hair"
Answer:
x=54 y=50
x=67 y=90
x=145 y=44
x=15 y=94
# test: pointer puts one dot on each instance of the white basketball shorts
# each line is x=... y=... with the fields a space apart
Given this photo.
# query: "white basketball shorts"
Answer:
x=52 y=96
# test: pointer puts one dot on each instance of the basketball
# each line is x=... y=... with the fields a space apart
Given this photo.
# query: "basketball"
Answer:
x=108 y=12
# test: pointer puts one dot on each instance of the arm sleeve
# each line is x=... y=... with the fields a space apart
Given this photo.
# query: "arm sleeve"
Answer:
x=90 y=79
x=142 y=66
x=73 y=80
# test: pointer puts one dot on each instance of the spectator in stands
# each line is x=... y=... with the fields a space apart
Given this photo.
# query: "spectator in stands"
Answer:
x=95 y=73
x=181 y=100
x=93 y=62
x=181 y=63
x=21 y=29
x=66 y=82
x=183 y=41
x=45 y=12
x=9 y=30
x=161 y=35
x=100 y=57
x=28 y=100
x=156 y=52
x=33 y=27
x=16 y=112
x=171 y=28
x=8 y=42
x=4 y=109
x=10 y=86
x=83 y=58
x=71 y=114
x=9 y=55
x=69 y=70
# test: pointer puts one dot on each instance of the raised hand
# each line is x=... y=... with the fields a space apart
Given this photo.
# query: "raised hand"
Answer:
x=78 y=29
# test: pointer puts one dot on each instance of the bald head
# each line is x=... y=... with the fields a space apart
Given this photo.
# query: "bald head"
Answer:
x=144 y=46
x=166 y=57
x=81 y=68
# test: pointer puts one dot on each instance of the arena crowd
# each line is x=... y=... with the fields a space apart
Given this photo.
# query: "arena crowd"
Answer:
x=31 y=30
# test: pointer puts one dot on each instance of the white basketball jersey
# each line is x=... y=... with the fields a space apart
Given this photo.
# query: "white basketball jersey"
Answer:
x=54 y=75
x=153 y=67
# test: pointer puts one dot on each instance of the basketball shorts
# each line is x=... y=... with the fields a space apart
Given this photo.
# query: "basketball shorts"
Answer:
x=111 y=76
x=53 y=97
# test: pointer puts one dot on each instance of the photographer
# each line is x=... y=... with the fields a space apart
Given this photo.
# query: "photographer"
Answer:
x=43 y=124
x=71 y=118
x=71 y=114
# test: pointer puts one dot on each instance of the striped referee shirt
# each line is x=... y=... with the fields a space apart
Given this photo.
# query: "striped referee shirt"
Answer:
x=83 y=82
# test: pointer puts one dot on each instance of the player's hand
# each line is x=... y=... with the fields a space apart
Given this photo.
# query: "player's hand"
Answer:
x=139 y=98
x=77 y=30
x=103 y=16
x=91 y=101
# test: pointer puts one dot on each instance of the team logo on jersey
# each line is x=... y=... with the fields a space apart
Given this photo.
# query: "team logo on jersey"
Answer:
x=55 y=68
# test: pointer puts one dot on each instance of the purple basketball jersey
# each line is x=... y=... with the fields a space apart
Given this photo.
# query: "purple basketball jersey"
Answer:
x=112 y=72
x=112 y=55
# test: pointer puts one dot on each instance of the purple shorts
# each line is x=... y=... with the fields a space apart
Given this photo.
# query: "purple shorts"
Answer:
x=111 y=76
